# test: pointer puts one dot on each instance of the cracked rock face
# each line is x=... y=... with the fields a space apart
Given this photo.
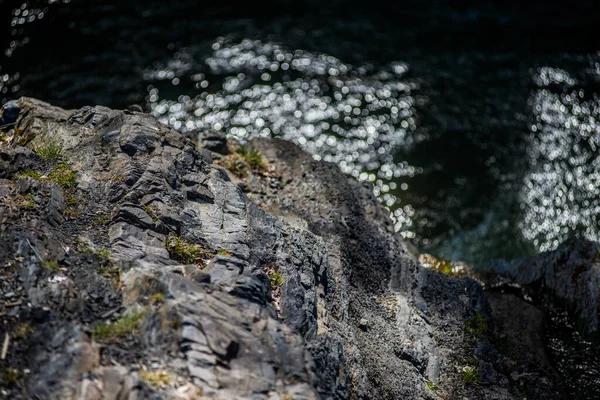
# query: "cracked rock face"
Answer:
x=136 y=265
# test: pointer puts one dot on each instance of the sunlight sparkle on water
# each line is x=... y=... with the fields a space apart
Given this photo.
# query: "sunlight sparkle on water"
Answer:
x=561 y=193
x=338 y=112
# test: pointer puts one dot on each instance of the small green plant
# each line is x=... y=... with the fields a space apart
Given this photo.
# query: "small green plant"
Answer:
x=111 y=273
x=157 y=298
x=30 y=174
x=22 y=329
x=123 y=327
x=276 y=278
x=431 y=385
x=51 y=264
x=252 y=157
x=11 y=376
x=187 y=253
x=70 y=213
x=101 y=219
x=469 y=375
x=27 y=201
x=243 y=160
x=151 y=212
x=101 y=252
x=477 y=324
x=176 y=323
x=156 y=378
x=64 y=175
x=233 y=163
x=70 y=199
x=223 y=252
x=50 y=151
x=444 y=266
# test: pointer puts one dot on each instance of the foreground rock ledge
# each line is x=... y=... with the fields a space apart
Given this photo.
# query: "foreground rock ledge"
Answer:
x=134 y=265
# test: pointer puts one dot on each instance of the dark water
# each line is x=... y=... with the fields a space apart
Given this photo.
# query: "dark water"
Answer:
x=478 y=123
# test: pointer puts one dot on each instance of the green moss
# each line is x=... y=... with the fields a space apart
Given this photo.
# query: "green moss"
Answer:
x=185 y=252
x=22 y=329
x=100 y=252
x=441 y=265
x=156 y=379
x=11 y=376
x=51 y=264
x=50 y=151
x=252 y=157
x=243 y=160
x=175 y=324
x=477 y=324
x=63 y=175
x=27 y=201
x=470 y=375
x=223 y=252
x=276 y=278
x=431 y=385
x=71 y=199
x=71 y=213
x=101 y=219
x=104 y=252
x=157 y=298
x=30 y=174
x=123 y=327
x=234 y=163
x=151 y=212
x=111 y=273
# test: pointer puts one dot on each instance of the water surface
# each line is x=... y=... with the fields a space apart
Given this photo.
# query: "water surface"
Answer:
x=477 y=123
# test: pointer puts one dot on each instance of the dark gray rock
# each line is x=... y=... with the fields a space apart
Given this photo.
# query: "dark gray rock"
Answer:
x=213 y=141
x=520 y=328
x=569 y=275
x=10 y=113
x=309 y=295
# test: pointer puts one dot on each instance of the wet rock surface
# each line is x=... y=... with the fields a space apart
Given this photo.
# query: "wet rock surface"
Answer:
x=137 y=265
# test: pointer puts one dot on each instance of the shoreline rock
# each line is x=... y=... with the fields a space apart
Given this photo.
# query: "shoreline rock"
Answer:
x=145 y=267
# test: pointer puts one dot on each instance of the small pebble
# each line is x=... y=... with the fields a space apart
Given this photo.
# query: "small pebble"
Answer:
x=363 y=324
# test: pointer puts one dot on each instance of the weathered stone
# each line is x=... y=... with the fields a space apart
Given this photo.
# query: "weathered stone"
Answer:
x=312 y=296
x=213 y=141
x=519 y=327
x=10 y=113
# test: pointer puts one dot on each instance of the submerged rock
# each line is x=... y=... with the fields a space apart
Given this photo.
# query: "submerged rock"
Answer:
x=133 y=266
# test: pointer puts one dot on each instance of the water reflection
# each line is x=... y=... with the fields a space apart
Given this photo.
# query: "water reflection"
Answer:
x=359 y=116
x=458 y=179
x=22 y=15
x=561 y=195
x=352 y=116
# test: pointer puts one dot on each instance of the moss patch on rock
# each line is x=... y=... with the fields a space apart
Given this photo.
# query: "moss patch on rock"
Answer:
x=123 y=327
x=187 y=253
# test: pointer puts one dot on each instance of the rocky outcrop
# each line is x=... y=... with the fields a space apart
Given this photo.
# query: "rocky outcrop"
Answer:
x=569 y=275
x=138 y=265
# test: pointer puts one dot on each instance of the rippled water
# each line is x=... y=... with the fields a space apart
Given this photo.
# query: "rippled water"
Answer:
x=353 y=116
x=476 y=123
x=561 y=193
